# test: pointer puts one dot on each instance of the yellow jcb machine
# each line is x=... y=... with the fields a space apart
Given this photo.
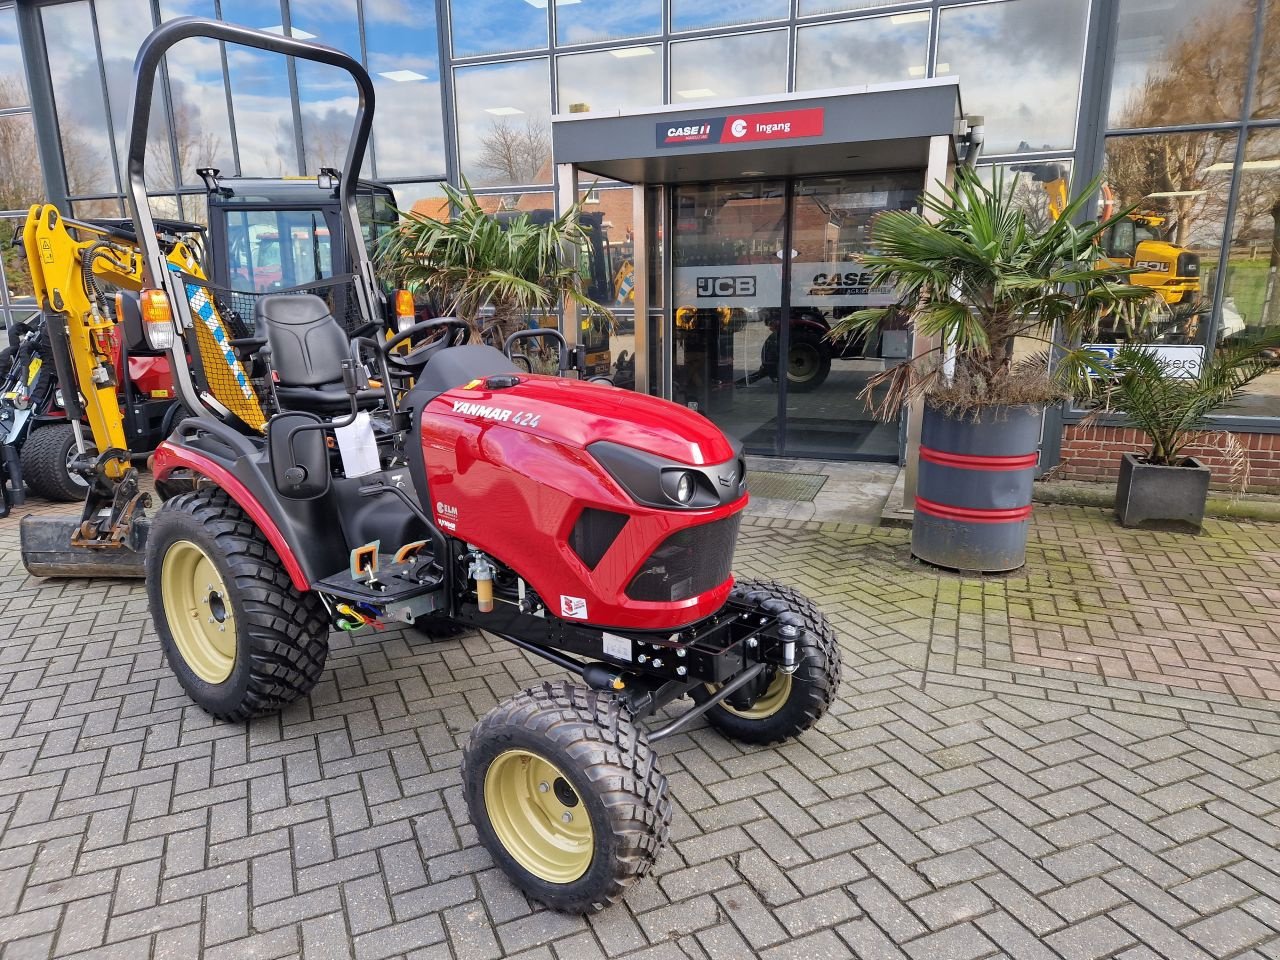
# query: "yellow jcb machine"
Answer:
x=89 y=280
x=1134 y=242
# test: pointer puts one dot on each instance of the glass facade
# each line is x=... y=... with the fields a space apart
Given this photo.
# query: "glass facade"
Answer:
x=1180 y=115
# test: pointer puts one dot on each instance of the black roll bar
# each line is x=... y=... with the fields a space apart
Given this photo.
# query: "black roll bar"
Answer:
x=145 y=69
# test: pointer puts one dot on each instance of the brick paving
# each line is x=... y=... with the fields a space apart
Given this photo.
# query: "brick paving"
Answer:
x=1082 y=761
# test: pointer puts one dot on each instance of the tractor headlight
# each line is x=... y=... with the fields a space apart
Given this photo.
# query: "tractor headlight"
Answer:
x=656 y=481
x=684 y=488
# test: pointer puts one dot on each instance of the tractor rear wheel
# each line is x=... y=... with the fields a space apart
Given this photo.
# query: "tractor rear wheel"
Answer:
x=787 y=704
x=566 y=795
x=241 y=639
x=46 y=463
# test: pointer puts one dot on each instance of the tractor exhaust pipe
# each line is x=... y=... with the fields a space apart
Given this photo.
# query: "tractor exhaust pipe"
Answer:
x=47 y=551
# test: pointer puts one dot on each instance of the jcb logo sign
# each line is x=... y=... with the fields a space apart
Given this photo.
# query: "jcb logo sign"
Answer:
x=720 y=287
x=1152 y=266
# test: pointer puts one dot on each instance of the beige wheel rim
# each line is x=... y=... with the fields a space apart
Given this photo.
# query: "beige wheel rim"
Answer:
x=198 y=611
x=538 y=817
x=770 y=702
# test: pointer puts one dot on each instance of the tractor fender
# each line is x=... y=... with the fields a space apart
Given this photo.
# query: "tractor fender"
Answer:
x=169 y=457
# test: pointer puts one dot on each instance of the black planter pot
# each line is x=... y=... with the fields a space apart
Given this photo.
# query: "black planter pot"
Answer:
x=1162 y=497
x=973 y=498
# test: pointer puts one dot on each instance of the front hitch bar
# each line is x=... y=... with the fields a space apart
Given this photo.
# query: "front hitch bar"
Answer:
x=728 y=690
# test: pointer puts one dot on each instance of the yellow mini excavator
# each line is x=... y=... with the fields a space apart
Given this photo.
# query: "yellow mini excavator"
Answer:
x=89 y=280
x=1135 y=242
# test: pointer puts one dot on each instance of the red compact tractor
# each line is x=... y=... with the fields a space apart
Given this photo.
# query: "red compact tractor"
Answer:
x=588 y=525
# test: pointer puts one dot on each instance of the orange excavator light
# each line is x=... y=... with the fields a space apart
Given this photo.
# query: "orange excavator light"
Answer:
x=157 y=319
x=404 y=310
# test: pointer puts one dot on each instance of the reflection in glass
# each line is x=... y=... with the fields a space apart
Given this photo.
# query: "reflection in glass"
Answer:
x=609 y=265
x=260 y=95
x=121 y=26
x=77 y=94
x=13 y=77
x=734 y=66
x=1041 y=188
x=1178 y=186
x=14 y=273
x=696 y=14
x=831 y=228
x=20 y=182
x=1251 y=306
x=201 y=125
x=504 y=122
x=326 y=95
x=274 y=250
x=1180 y=61
x=873 y=50
x=611 y=79
x=1266 y=91
x=727 y=286
x=408 y=130
x=423 y=197
x=496 y=26
x=1019 y=64
x=578 y=22
x=809 y=8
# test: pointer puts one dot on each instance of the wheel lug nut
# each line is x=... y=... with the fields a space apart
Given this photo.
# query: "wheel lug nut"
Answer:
x=567 y=817
x=543 y=787
x=681 y=671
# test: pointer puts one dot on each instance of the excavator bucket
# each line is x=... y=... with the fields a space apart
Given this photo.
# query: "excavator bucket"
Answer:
x=108 y=539
x=48 y=551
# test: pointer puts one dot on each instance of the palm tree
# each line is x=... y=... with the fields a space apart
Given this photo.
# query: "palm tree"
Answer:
x=974 y=273
x=497 y=274
x=1174 y=409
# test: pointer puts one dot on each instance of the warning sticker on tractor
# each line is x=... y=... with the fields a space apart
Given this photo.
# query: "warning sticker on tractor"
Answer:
x=574 y=607
x=617 y=647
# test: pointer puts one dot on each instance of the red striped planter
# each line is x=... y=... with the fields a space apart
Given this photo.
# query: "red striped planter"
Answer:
x=973 y=495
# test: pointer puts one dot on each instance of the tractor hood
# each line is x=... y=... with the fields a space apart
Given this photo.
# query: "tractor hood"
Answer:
x=577 y=414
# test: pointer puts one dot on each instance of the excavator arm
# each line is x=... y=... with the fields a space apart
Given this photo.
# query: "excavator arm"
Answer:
x=1053 y=179
x=73 y=274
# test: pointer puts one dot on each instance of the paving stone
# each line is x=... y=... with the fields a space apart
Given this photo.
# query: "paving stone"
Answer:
x=961 y=799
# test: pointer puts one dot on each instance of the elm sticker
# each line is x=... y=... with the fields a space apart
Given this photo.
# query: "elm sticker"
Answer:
x=573 y=607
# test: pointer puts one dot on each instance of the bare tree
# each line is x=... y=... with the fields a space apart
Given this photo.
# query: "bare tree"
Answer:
x=1176 y=176
x=513 y=154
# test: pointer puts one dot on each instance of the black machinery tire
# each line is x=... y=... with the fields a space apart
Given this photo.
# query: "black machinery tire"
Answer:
x=6 y=360
x=818 y=352
x=45 y=454
x=605 y=766
x=812 y=686
x=816 y=347
x=281 y=635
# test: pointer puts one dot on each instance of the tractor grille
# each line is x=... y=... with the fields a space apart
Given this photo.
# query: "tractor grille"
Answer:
x=689 y=562
x=594 y=533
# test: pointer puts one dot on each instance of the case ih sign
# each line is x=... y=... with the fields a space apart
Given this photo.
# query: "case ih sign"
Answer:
x=743 y=128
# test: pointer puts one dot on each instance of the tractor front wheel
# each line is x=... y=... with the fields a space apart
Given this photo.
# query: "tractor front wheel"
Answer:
x=241 y=639
x=785 y=704
x=566 y=795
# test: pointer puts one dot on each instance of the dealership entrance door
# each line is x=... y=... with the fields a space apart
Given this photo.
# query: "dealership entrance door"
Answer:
x=748 y=221
x=746 y=255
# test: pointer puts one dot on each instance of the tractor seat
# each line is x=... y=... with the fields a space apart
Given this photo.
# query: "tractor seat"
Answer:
x=307 y=349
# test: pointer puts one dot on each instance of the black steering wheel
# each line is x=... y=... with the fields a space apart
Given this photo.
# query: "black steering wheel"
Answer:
x=457 y=332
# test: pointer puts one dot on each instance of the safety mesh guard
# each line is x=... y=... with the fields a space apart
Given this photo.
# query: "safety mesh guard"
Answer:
x=224 y=314
x=224 y=375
